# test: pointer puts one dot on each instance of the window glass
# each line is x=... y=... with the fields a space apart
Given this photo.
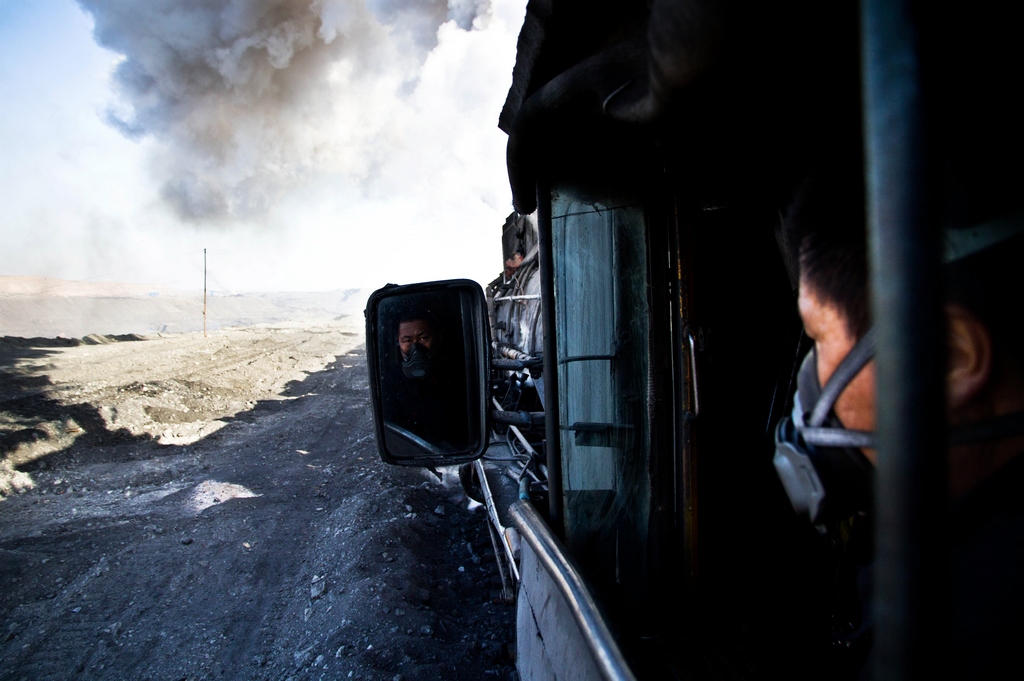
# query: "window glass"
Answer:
x=602 y=322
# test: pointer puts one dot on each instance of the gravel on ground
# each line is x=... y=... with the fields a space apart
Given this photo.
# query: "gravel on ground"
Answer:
x=181 y=507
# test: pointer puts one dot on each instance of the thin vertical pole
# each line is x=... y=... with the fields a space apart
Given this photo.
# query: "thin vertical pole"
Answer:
x=910 y=580
x=552 y=433
x=204 y=293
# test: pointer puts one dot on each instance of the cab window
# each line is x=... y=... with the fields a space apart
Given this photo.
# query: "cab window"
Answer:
x=602 y=320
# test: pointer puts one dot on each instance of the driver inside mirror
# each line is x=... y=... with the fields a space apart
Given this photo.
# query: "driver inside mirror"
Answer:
x=422 y=372
x=416 y=341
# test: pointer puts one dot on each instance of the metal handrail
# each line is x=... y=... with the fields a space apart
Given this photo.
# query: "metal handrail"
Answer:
x=566 y=577
x=525 y=296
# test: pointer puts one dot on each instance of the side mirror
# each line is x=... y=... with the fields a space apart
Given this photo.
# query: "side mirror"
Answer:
x=428 y=354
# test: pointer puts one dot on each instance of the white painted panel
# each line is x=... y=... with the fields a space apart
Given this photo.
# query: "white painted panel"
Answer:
x=549 y=644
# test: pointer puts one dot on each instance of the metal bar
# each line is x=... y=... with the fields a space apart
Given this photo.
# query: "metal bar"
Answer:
x=570 y=584
x=528 y=296
x=516 y=431
x=507 y=589
x=515 y=364
x=492 y=514
x=552 y=442
x=509 y=352
x=522 y=419
x=686 y=489
x=910 y=581
x=691 y=346
x=587 y=358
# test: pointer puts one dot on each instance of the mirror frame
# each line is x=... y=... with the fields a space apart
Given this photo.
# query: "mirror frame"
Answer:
x=481 y=360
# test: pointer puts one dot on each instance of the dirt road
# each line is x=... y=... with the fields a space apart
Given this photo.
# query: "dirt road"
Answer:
x=188 y=508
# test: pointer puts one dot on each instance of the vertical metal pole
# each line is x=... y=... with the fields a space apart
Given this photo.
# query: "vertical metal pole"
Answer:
x=911 y=579
x=552 y=435
x=204 y=293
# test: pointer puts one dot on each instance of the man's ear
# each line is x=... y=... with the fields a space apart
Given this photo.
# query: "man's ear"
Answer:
x=970 y=356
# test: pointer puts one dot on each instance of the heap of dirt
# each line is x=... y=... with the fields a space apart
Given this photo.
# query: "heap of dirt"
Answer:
x=189 y=507
x=174 y=389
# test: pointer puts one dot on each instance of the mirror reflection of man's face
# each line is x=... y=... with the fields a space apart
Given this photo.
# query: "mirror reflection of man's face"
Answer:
x=412 y=332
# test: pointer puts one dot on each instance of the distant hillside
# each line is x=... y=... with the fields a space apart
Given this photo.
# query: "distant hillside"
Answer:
x=44 y=307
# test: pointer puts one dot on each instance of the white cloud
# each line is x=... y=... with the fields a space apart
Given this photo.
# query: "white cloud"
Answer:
x=346 y=151
x=252 y=97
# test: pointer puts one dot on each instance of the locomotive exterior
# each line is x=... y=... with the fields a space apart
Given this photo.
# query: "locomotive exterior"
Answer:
x=644 y=336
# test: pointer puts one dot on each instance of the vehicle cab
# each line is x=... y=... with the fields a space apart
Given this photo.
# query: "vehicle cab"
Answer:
x=633 y=371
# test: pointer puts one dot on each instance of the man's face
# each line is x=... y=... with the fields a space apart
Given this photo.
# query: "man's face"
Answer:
x=826 y=326
x=412 y=332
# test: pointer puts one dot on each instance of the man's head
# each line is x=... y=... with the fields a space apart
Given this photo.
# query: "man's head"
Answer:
x=412 y=331
x=418 y=340
x=984 y=377
x=827 y=219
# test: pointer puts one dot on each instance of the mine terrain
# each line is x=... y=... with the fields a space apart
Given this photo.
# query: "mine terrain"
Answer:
x=174 y=506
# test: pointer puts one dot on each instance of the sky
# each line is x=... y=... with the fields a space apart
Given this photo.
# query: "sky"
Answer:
x=306 y=144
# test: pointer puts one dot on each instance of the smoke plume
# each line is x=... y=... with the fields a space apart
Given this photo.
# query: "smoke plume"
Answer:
x=250 y=97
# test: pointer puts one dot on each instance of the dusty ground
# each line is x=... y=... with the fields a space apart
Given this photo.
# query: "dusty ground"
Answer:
x=36 y=306
x=174 y=507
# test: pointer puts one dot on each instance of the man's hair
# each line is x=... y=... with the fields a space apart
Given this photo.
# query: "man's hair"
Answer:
x=828 y=219
x=416 y=315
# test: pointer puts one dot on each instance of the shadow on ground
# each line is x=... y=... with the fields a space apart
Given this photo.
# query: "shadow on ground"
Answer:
x=336 y=566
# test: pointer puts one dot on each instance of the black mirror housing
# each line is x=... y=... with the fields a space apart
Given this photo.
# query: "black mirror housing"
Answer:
x=428 y=356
